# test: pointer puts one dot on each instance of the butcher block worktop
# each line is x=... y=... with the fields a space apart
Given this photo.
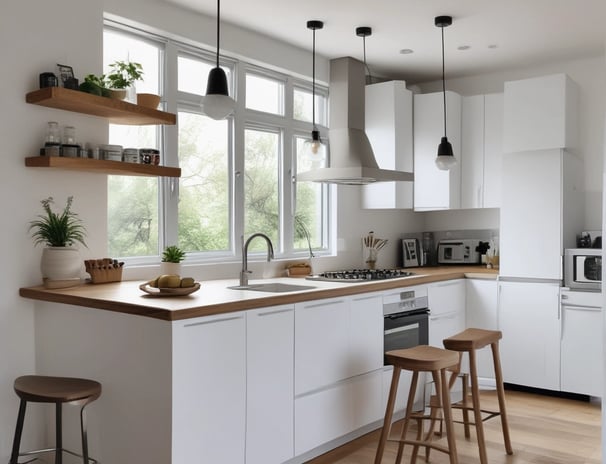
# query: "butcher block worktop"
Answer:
x=215 y=298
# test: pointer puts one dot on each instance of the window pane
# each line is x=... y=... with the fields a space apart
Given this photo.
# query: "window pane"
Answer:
x=124 y=47
x=302 y=106
x=311 y=208
x=204 y=208
x=261 y=186
x=193 y=75
x=263 y=94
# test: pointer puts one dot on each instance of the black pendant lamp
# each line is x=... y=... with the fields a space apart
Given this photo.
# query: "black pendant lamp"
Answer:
x=314 y=144
x=445 y=159
x=217 y=104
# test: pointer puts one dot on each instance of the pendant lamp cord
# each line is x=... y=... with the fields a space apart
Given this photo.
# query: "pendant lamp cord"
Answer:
x=443 y=81
x=365 y=65
x=218 y=28
x=313 y=85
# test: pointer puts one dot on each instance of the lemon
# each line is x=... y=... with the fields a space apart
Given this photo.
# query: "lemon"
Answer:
x=187 y=282
x=169 y=281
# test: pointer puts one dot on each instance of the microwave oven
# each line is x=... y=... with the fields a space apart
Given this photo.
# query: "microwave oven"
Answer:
x=461 y=251
x=583 y=268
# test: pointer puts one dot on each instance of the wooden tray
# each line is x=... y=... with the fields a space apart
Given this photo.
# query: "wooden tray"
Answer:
x=154 y=291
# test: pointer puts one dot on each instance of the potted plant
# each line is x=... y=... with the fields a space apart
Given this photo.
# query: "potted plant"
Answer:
x=60 y=264
x=122 y=76
x=171 y=260
x=95 y=85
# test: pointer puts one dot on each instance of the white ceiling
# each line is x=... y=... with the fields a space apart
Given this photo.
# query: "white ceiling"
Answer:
x=524 y=31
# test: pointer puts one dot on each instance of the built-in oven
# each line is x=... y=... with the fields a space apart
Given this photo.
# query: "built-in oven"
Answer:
x=406 y=318
x=583 y=268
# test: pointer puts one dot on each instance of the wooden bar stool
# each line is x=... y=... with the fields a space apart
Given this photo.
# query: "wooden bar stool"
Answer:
x=421 y=358
x=469 y=341
x=58 y=390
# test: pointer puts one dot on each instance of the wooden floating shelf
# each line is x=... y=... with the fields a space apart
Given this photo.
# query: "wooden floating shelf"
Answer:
x=102 y=166
x=115 y=111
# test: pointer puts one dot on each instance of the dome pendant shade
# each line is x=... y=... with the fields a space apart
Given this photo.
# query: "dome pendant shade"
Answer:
x=217 y=82
x=445 y=159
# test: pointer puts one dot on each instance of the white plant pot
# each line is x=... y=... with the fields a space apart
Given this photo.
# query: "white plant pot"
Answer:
x=170 y=268
x=60 y=267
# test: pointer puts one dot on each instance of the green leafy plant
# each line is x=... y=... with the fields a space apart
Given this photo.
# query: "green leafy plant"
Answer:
x=58 y=229
x=173 y=254
x=123 y=74
x=95 y=85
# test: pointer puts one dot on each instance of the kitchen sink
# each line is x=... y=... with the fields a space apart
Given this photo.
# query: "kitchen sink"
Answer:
x=273 y=287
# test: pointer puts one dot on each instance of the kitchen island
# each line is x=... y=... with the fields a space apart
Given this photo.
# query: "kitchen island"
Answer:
x=222 y=375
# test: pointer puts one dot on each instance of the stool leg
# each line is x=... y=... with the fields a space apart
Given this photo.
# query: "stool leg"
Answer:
x=84 y=435
x=433 y=415
x=18 y=432
x=501 y=395
x=391 y=401
x=409 y=407
x=452 y=446
x=477 y=411
x=58 y=434
x=465 y=411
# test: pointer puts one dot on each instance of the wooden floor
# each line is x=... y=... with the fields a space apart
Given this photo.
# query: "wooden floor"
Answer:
x=544 y=430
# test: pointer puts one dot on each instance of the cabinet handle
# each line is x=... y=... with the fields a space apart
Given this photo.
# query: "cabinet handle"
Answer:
x=324 y=304
x=233 y=318
x=275 y=311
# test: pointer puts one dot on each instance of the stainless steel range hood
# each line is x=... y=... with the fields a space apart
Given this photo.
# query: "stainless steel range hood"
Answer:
x=352 y=161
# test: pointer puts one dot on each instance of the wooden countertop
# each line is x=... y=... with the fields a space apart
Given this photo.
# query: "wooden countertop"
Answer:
x=215 y=298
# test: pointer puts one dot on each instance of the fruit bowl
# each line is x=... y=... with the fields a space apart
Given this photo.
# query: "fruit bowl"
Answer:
x=165 y=291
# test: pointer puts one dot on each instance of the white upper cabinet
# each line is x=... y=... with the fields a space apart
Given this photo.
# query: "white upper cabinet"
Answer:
x=540 y=113
x=435 y=189
x=481 y=150
x=389 y=129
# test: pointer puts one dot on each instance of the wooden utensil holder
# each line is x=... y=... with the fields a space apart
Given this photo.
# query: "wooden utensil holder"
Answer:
x=104 y=270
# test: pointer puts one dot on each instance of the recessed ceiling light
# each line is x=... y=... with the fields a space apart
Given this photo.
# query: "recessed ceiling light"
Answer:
x=493 y=46
x=406 y=51
x=464 y=47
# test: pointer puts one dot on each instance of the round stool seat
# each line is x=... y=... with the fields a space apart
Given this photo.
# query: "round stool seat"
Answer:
x=422 y=358
x=472 y=339
x=44 y=389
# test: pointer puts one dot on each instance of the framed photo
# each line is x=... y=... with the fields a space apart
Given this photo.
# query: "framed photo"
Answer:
x=66 y=73
x=410 y=252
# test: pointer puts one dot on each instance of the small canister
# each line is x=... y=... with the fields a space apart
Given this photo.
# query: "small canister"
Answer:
x=110 y=152
x=131 y=155
x=149 y=156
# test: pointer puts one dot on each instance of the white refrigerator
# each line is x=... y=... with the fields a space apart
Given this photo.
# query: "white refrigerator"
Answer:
x=541 y=213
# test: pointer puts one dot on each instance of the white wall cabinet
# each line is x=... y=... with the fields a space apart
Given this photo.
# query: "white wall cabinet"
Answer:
x=482 y=314
x=540 y=113
x=270 y=385
x=481 y=150
x=209 y=389
x=435 y=189
x=388 y=126
x=529 y=317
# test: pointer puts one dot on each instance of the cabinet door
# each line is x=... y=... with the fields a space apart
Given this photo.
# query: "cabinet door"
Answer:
x=493 y=149
x=581 y=350
x=366 y=334
x=435 y=189
x=321 y=344
x=447 y=297
x=209 y=389
x=270 y=379
x=389 y=129
x=444 y=326
x=531 y=215
x=472 y=151
x=529 y=317
x=482 y=314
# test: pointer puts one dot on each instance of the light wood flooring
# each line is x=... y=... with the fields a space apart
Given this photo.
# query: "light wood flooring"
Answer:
x=544 y=430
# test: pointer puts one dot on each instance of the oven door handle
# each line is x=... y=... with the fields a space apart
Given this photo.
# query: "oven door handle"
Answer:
x=403 y=328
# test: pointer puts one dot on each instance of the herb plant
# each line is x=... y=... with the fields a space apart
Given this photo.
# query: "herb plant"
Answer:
x=58 y=229
x=123 y=74
x=173 y=254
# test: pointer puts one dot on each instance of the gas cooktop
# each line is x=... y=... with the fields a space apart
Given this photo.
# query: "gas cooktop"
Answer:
x=357 y=275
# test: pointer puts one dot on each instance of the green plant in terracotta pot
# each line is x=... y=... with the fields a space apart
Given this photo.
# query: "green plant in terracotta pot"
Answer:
x=171 y=260
x=122 y=77
x=60 y=264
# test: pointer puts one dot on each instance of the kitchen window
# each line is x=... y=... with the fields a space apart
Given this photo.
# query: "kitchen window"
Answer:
x=237 y=174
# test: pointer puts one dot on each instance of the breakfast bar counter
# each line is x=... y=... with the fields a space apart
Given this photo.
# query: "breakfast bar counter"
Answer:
x=214 y=296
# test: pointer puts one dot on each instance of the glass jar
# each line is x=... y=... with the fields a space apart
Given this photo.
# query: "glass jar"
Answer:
x=52 y=134
x=69 y=135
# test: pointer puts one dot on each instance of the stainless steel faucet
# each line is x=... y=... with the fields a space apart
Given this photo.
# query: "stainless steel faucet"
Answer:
x=270 y=254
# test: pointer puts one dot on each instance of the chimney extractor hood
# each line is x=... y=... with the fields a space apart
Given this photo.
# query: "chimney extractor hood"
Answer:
x=352 y=161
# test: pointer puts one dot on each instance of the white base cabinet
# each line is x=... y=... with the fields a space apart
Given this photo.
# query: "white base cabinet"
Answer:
x=529 y=316
x=482 y=314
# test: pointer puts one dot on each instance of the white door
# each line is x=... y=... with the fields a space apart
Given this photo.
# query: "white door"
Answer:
x=493 y=149
x=472 y=152
x=529 y=317
x=209 y=389
x=531 y=215
x=482 y=314
x=269 y=385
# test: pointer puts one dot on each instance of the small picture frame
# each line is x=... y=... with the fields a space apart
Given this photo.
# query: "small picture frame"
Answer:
x=410 y=252
x=66 y=73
